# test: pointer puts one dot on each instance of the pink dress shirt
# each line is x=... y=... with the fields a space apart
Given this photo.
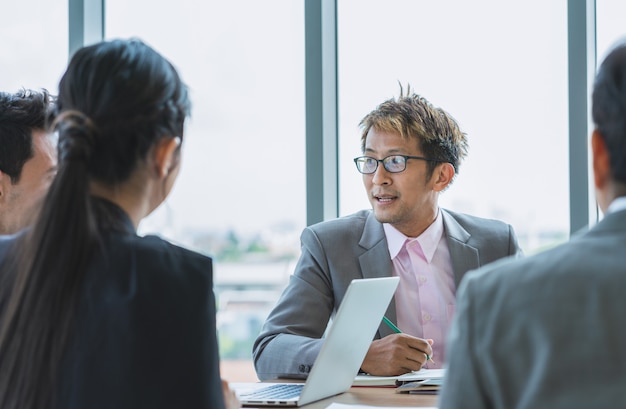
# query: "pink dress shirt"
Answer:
x=425 y=297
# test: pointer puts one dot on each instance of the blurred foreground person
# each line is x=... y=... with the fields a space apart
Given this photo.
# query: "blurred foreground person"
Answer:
x=91 y=314
x=547 y=331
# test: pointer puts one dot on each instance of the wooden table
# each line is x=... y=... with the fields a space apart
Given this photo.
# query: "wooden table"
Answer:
x=376 y=396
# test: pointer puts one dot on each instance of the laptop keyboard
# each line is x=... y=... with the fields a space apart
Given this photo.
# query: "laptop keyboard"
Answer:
x=277 y=391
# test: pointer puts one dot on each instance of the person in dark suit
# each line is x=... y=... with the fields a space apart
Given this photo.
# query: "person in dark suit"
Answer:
x=412 y=152
x=548 y=331
x=91 y=314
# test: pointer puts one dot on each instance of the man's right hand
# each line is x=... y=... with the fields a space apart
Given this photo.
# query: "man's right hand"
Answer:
x=396 y=354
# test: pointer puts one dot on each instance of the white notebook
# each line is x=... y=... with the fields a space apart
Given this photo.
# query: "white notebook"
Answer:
x=421 y=375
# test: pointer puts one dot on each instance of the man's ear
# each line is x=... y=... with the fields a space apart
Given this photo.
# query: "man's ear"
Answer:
x=5 y=180
x=165 y=155
x=601 y=160
x=443 y=175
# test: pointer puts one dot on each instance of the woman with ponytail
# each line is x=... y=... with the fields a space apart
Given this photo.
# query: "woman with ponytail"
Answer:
x=91 y=314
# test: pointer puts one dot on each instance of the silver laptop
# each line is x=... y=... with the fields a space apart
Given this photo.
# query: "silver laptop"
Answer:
x=342 y=354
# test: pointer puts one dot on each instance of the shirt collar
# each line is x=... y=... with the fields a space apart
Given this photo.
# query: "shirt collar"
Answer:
x=428 y=240
x=617 y=204
x=395 y=239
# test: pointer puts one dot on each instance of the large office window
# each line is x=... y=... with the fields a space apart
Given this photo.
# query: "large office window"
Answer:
x=499 y=69
x=33 y=44
x=240 y=196
x=502 y=74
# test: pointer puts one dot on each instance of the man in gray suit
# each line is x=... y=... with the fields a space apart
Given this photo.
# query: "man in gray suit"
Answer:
x=548 y=331
x=411 y=153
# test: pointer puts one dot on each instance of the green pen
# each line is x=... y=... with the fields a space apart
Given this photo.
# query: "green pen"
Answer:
x=391 y=325
x=397 y=331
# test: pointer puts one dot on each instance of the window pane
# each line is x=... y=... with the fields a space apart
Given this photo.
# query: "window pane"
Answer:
x=33 y=49
x=240 y=196
x=609 y=25
x=500 y=69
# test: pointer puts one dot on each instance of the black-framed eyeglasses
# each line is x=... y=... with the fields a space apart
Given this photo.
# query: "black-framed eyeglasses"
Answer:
x=392 y=163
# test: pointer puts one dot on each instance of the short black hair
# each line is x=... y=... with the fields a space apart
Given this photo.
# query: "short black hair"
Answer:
x=609 y=108
x=20 y=114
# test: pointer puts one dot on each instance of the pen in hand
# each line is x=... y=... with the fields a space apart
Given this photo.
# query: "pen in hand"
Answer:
x=397 y=331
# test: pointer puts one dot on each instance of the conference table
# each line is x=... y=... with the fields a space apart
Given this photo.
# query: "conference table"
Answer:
x=376 y=396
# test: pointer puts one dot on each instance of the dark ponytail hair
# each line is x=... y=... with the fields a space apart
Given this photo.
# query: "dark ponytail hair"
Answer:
x=116 y=100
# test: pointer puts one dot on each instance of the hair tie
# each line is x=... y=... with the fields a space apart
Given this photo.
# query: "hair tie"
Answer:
x=76 y=136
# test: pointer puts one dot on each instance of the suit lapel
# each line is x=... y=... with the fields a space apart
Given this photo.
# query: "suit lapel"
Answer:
x=464 y=257
x=376 y=262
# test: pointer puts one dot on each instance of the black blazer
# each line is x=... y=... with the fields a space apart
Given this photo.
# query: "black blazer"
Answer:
x=144 y=335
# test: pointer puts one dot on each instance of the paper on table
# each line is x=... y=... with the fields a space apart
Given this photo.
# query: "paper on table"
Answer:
x=371 y=380
x=427 y=386
x=345 y=406
x=421 y=375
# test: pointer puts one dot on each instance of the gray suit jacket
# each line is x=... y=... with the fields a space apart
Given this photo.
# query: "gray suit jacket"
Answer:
x=333 y=254
x=546 y=331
